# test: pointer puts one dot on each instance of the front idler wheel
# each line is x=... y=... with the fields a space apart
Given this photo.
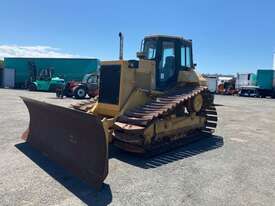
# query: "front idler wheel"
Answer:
x=195 y=104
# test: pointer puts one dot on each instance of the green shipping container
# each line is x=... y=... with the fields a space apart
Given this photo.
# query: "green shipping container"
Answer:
x=266 y=79
x=67 y=68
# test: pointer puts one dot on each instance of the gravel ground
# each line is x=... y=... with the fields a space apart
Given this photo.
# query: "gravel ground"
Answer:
x=235 y=167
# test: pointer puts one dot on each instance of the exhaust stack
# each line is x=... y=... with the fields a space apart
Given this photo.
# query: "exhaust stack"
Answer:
x=121 y=39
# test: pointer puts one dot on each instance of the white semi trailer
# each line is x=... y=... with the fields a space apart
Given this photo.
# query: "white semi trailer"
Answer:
x=244 y=80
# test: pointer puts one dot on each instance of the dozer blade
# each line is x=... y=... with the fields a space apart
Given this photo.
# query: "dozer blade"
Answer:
x=73 y=139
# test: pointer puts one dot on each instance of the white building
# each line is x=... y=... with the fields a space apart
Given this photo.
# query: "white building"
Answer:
x=212 y=82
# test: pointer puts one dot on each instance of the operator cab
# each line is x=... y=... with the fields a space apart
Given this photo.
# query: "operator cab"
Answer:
x=91 y=78
x=45 y=74
x=171 y=54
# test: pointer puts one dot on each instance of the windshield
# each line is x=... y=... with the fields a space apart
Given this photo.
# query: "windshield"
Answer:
x=86 y=77
x=150 y=48
x=90 y=78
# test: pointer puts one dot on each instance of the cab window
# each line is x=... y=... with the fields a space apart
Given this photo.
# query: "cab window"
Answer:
x=186 y=57
x=150 y=48
x=92 y=79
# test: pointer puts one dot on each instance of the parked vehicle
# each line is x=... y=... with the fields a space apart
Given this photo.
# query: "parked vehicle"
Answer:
x=247 y=79
x=145 y=106
x=79 y=90
x=249 y=91
x=227 y=87
x=46 y=82
x=266 y=82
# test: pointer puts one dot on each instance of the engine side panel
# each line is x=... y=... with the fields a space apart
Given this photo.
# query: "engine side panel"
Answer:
x=114 y=94
x=191 y=77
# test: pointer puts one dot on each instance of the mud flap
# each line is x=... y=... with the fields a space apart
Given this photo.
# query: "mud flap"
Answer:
x=73 y=139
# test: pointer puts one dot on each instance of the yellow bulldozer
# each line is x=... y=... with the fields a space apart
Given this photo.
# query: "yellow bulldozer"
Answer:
x=144 y=106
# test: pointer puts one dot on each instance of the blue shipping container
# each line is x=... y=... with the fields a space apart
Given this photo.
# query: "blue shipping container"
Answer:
x=265 y=79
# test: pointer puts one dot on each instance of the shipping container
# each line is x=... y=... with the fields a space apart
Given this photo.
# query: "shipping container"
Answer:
x=243 y=80
x=67 y=68
x=266 y=82
x=265 y=78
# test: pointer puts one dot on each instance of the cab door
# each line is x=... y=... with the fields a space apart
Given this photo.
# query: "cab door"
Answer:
x=167 y=64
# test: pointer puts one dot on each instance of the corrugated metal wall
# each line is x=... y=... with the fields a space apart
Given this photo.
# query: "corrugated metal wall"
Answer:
x=69 y=69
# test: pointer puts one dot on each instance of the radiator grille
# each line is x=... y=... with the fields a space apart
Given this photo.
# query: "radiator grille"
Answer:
x=109 y=84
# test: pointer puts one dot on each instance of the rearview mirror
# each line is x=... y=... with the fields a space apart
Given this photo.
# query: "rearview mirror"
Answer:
x=141 y=55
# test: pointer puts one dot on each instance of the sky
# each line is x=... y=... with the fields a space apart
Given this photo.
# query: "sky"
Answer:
x=228 y=36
